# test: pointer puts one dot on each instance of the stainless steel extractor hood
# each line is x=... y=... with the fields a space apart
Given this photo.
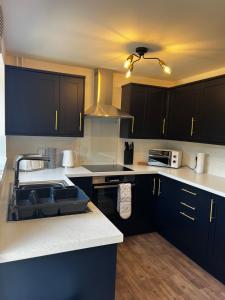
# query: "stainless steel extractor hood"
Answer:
x=103 y=108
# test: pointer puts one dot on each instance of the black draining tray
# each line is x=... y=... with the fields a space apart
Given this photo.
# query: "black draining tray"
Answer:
x=46 y=202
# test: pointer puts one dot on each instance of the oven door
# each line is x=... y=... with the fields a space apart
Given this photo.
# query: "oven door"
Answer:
x=105 y=198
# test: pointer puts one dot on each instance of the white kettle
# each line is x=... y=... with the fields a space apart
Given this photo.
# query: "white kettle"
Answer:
x=69 y=158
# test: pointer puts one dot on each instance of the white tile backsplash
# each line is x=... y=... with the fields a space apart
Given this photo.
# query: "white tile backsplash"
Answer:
x=101 y=144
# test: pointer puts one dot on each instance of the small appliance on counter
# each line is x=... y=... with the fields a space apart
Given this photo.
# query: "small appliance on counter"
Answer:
x=165 y=158
x=200 y=163
x=68 y=158
x=128 y=153
x=30 y=165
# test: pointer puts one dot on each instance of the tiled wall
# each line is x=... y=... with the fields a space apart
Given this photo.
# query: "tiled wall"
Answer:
x=101 y=144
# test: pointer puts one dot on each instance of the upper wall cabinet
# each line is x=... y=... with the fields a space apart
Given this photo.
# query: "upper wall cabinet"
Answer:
x=210 y=117
x=182 y=112
x=147 y=105
x=43 y=103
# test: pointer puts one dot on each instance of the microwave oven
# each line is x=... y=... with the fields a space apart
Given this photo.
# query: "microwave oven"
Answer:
x=165 y=158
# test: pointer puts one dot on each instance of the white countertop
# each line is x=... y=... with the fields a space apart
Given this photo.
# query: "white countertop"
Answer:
x=210 y=183
x=39 y=237
x=32 y=238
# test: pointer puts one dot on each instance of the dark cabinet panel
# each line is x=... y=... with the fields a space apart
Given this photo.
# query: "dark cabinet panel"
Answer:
x=133 y=102
x=32 y=102
x=143 y=204
x=210 y=124
x=43 y=103
x=166 y=206
x=71 y=106
x=147 y=105
x=217 y=241
x=182 y=112
x=183 y=217
x=193 y=221
x=155 y=113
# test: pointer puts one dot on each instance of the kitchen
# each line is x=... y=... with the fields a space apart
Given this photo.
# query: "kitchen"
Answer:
x=91 y=99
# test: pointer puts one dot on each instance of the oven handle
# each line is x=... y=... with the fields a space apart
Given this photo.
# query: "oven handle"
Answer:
x=101 y=187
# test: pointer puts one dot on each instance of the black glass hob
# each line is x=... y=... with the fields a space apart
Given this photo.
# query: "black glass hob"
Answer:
x=106 y=168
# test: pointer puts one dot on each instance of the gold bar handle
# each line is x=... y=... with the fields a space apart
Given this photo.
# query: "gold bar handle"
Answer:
x=164 y=123
x=189 y=192
x=56 y=120
x=132 y=125
x=80 y=126
x=192 y=125
x=211 y=211
x=186 y=205
x=159 y=188
x=153 y=191
x=187 y=216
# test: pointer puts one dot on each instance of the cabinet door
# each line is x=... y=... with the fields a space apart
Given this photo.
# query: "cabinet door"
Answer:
x=71 y=106
x=155 y=113
x=143 y=204
x=138 y=100
x=32 y=102
x=193 y=220
x=217 y=241
x=210 y=125
x=182 y=112
x=133 y=102
x=166 y=209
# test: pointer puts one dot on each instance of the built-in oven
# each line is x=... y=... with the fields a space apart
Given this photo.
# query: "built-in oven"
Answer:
x=104 y=196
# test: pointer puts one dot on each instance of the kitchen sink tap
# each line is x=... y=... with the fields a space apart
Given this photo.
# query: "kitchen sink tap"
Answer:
x=26 y=157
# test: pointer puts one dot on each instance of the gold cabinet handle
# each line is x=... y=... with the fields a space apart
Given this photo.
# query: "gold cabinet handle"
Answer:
x=56 y=120
x=163 y=128
x=189 y=192
x=187 y=216
x=132 y=125
x=192 y=125
x=188 y=206
x=211 y=211
x=153 y=191
x=80 y=126
x=159 y=188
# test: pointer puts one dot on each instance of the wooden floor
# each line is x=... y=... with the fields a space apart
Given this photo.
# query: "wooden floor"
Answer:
x=149 y=268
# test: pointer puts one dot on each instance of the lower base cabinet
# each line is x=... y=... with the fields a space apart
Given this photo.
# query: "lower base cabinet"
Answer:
x=217 y=238
x=87 y=274
x=193 y=220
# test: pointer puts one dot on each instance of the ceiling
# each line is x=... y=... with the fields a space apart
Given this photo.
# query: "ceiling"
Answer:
x=188 y=35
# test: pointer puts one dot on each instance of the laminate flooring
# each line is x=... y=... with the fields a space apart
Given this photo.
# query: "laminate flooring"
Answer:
x=150 y=268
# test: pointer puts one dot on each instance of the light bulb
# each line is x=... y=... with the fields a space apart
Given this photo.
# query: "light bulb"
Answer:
x=128 y=62
x=166 y=69
x=128 y=74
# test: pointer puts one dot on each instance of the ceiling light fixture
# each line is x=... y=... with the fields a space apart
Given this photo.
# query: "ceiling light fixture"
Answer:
x=140 y=53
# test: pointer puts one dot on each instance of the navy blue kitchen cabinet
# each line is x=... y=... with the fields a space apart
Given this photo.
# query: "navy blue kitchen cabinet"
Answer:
x=217 y=238
x=142 y=205
x=210 y=125
x=85 y=183
x=71 y=113
x=32 y=102
x=43 y=103
x=193 y=222
x=87 y=274
x=147 y=105
x=166 y=206
x=183 y=217
x=182 y=111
